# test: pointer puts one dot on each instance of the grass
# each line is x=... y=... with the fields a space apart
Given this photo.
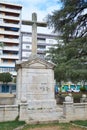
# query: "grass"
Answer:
x=81 y=123
x=10 y=125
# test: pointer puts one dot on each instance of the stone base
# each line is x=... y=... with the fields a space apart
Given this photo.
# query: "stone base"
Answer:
x=39 y=115
x=43 y=115
x=41 y=104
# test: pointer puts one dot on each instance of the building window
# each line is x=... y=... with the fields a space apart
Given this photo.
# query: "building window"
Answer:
x=41 y=47
x=6 y=69
x=5 y=88
x=26 y=39
x=41 y=40
x=28 y=47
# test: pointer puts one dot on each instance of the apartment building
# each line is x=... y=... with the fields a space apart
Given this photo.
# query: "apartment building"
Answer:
x=44 y=42
x=10 y=25
x=14 y=44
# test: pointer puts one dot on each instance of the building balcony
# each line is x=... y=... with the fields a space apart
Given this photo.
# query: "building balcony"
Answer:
x=10 y=10
x=9 y=33
x=8 y=56
x=8 y=40
x=8 y=67
x=2 y=24
x=41 y=42
x=41 y=49
x=9 y=17
x=7 y=64
x=11 y=48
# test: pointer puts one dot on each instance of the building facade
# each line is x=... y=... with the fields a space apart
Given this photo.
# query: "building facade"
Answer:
x=44 y=42
x=10 y=25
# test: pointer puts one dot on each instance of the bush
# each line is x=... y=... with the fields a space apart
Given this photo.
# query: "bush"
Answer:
x=5 y=77
x=83 y=89
x=76 y=97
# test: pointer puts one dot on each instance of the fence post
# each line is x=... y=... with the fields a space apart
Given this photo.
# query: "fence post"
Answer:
x=68 y=108
x=23 y=112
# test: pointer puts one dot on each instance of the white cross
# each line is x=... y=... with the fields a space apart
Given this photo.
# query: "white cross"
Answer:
x=34 y=24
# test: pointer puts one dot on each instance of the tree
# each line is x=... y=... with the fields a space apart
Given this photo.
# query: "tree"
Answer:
x=71 y=24
x=5 y=77
x=70 y=20
x=57 y=55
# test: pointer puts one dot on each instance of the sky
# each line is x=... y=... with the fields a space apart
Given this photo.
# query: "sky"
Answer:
x=41 y=7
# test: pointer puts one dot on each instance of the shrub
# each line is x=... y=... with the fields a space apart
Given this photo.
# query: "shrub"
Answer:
x=83 y=89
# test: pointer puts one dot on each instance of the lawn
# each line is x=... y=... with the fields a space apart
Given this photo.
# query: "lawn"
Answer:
x=10 y=125
x=50 y=126
x=81 y=123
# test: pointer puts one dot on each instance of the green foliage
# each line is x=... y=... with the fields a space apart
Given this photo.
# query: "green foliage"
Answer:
x=83 y=89
x=76 y=97
x=70 y=56
x=70 y=19
x=5 y=77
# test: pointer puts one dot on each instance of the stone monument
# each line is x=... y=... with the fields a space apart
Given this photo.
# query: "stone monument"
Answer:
x=35 y=77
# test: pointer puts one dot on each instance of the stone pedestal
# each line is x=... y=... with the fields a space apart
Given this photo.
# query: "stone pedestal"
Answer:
x=35 y=83
x=68 y=108
x=23 y=112
x=84 y=98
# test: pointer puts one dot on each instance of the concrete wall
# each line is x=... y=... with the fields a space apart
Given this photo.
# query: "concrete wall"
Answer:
x=7 y=99
x=75 y=111
x=8 y=112
x=70 y=111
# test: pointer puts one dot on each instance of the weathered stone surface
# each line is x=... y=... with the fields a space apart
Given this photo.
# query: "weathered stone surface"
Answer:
x=74 y=111
x=23 y=100
x=7 y=99
x=84 y=96
x=35 y=82
x=8 y=112
x=35 y=90
x=40 y=114
x=68 y=99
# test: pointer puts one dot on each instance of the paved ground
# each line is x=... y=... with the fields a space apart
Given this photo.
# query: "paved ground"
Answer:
x=57 y=128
